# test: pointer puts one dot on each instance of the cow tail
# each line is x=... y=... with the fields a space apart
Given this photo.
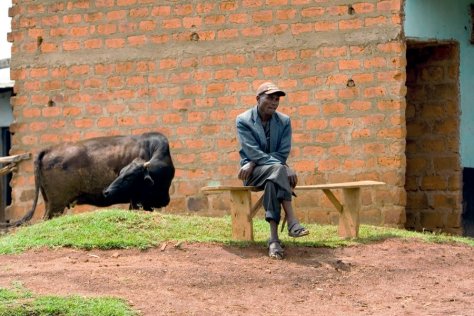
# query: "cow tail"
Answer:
x=31 y=212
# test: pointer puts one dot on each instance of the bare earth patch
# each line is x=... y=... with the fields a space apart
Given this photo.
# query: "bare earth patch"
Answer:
x=393 y=277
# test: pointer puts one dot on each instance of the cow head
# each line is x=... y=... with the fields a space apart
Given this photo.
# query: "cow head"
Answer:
x=132 y=177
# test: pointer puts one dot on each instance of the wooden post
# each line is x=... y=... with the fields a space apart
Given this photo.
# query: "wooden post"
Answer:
x=349 y=217
x=241 y=207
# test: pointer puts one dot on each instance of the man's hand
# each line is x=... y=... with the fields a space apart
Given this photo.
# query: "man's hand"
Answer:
x=292 y=177
x=246 y=171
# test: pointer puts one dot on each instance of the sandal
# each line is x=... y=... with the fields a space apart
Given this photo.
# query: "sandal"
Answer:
x=296 y=230
x=275 y=251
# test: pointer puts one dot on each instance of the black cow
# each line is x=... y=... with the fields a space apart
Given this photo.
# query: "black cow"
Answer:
x=104 y=171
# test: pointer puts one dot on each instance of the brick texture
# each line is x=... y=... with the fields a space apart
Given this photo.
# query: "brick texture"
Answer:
x=433 y=176
x=91 y=68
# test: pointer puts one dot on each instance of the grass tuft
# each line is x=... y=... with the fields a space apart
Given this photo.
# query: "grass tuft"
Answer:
x=18 y=301
x=121 y=229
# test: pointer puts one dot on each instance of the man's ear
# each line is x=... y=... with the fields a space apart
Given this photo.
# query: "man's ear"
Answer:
x=258 y=98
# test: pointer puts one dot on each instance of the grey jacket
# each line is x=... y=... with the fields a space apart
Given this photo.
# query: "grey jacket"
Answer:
x=252 y=139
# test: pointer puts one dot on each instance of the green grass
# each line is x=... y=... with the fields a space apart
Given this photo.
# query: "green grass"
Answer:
x=18 y=301
x=121 y=229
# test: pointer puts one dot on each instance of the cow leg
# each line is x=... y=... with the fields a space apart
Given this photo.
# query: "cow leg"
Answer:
x=53 y=210
x=147 y=207
x=133 y=205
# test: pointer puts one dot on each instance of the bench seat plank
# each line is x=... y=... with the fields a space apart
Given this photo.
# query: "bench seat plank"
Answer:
x=342 y=185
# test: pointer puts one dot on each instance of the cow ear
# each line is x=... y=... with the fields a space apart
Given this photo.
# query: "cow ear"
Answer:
x=148 y=179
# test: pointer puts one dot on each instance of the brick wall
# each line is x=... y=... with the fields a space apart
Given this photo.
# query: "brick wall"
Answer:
x=187 y=68
x=433 y=176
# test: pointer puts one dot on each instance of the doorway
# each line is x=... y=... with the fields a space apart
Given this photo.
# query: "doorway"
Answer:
x=6 y=118
x=433 y=175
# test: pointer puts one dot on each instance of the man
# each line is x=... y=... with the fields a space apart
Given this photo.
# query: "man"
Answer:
x=265 y=139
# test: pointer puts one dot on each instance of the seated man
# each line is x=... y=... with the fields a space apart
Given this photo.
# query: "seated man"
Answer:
x=265 y=139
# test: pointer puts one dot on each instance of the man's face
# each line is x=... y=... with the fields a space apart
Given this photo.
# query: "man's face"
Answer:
x=268 y=103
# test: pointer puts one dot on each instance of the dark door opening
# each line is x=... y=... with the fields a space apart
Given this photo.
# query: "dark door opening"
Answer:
x=5 y=189
x=433 y=175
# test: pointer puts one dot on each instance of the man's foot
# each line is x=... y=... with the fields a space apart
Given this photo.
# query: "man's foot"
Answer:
x=296 y=230
x=275 y=251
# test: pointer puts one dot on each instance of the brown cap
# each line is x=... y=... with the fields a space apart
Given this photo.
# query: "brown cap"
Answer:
x=269 y=88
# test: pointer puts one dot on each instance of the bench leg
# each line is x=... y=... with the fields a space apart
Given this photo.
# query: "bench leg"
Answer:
x=241 y=206
x=349 y=217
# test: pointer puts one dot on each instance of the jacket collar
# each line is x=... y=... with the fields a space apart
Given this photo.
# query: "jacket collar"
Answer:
x=275 y=123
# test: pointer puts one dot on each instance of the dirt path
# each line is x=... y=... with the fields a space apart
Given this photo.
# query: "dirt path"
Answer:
x=389 y=278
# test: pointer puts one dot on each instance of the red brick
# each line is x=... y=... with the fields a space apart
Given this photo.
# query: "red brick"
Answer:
x=262 y=16
x=364 y=7
x=374 y=92
x=318 y=124
x=32 y=85
x=341 y=122
x=328 y=164
x=161 y=11
x=225 y=74
x=337 y=10
x=215 y=88
x=325 y=95
x=51 y=112
x=326 y=66
x=168 y=63
x=126 y=2
x=360 y=105
x=50 y=138
x=362 y=133
x=72 y=19
x=252 y=31
x=298 y=28
x=38 y=126
x=84 y=123
x=342 y=150
x=172 y=118
x=115 y=43
x=79 y=70
x=239 y=18
x=325 y=26
x=308 y=110
x=272 y=71
x=71 y=45
x=376 y=21
x=349 y=64
x=93 y=16
x=38 y=72
x=166 y=24
x=227 y=33
x=333 y=108
x=375 y=62
x=93 y=43
x=105 y=122
x=185 y=131
x=312 y=12
x=126 y=121
x=214 y=19
x=138 y=12
x=196 y=117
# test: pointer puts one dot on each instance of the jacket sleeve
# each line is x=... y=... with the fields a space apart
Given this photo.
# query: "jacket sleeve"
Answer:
x=250 y=146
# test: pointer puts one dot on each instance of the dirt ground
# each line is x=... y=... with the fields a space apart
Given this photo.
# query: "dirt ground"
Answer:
x=392 y=277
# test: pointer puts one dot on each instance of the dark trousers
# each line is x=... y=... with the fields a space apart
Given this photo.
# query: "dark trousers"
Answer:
x=273 y=179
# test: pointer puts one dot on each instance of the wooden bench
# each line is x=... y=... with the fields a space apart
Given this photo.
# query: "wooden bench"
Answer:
x=243 y=211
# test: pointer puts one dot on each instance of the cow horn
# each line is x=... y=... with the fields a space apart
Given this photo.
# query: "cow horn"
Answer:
x=146 y=164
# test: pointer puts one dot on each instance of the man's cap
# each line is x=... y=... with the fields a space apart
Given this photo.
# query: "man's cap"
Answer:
x=269 y=88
